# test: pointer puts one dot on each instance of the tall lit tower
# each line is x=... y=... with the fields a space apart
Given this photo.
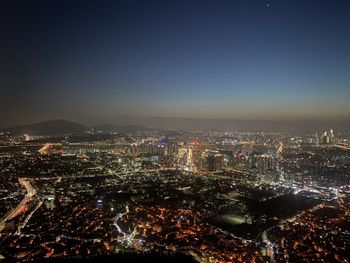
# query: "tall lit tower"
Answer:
x=327 y=136
x=189 y=156
x=330 y=135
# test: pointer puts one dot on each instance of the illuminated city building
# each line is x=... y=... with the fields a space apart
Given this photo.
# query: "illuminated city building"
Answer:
x=327 y=137
x=211 y=161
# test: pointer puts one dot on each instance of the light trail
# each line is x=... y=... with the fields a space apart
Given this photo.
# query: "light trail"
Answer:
x=44 y=149
x=18 y=232
x=31 y=192
x=129 y=238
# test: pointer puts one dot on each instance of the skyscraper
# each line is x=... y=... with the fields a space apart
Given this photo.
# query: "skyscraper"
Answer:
x=211 y=161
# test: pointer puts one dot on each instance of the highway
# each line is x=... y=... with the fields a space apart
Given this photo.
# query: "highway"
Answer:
x=24 y=223
x=31 y=192
x=342 y=146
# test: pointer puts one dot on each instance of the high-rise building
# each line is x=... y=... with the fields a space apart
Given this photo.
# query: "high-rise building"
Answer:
x=327 y=137
x=189 y=155
x=211 y=161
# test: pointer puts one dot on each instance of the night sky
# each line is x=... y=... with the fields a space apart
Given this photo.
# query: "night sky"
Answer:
x=91 y=61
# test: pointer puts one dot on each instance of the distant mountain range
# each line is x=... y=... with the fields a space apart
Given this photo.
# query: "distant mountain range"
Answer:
x=55 y=127
x=61 y=127
x=170 y=124
x=268 y=125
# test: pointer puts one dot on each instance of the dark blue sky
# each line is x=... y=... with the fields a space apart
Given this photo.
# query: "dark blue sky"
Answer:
x=90 y=61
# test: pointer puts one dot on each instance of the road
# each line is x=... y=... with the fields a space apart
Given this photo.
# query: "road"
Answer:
x=31 y=192
x=127 y=239
x=24 y=223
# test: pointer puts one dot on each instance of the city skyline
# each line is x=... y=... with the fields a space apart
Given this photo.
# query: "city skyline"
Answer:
x=175 y=131
x=239 y=60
